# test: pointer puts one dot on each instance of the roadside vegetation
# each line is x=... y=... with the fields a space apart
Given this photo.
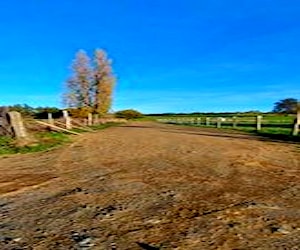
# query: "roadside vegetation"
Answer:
x=44 y=140
x=41 y=141
x=129 y=114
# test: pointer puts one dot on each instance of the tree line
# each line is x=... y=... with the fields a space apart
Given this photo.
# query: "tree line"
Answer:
x=284 y=106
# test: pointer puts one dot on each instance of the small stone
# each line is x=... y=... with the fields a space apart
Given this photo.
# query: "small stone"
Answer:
x=85 y=243
x=283 y=231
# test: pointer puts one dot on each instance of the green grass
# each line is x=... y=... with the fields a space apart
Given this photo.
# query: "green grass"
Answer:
x=267 y=118
x=276 y=127
x=6 y=145
x=42 y=141
x=278 y=134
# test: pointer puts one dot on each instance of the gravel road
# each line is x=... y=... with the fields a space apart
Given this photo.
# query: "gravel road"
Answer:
x=150 y=186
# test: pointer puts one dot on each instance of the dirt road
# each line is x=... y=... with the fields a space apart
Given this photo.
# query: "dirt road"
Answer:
x=153 y=186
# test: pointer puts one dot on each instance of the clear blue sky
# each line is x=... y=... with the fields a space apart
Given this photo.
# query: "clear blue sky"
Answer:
x=169 y=55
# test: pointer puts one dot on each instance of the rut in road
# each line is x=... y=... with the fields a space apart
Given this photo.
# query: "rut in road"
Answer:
x=149 y=185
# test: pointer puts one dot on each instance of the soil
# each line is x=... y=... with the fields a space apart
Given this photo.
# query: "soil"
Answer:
x=146 y=186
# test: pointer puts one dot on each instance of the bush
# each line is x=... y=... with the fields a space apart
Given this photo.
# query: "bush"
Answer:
x=128 y=114
x=24 y=109
x=42 y=113
x=80 y=112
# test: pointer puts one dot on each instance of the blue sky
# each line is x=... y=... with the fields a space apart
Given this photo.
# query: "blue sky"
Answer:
x=169 y=56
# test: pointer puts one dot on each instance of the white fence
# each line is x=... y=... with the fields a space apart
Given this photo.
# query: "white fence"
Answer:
x=255 y=122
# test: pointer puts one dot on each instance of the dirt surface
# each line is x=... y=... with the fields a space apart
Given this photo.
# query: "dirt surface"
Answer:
x=153 y=186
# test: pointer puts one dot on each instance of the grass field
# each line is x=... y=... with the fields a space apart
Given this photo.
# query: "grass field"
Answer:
x=272 y=126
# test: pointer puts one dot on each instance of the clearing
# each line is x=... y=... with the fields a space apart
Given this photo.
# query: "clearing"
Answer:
x=145 y=185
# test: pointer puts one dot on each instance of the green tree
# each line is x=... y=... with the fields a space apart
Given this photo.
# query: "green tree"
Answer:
x=288 y=106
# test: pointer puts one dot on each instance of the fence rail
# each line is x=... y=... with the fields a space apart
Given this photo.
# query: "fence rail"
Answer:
x=12 y=123
x=249 y=123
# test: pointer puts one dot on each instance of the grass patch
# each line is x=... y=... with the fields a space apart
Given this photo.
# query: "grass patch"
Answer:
x=278 y=134
x=6 y=145
x=273 y=133
x=43 y=140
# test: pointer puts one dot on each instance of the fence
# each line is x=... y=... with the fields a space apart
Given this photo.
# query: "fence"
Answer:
x=67 y=122
x=12 y=123
x=247 y=123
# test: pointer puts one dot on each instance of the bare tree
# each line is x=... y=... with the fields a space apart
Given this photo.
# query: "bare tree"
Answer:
x=91 y=89
x=79 y=85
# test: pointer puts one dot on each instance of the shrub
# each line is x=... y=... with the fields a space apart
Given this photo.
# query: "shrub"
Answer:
x=42 y=113
x=128 y=114
x=80 y=112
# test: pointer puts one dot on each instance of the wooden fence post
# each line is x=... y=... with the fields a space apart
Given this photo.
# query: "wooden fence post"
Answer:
x=67 y=119
x=50 y=119
x=219 y=122
x=90 y=119
x=207 y=121
x=296 y=124
x=258 y=122
x=96 y=119
x=199 y=121
x=234 y=122
x=17 y=125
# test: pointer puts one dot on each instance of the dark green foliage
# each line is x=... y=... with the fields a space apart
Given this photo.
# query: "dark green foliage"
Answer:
x=39 y=112
x=129 y=114
x=24 y=109
x=288 y=106
x=42 y=112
